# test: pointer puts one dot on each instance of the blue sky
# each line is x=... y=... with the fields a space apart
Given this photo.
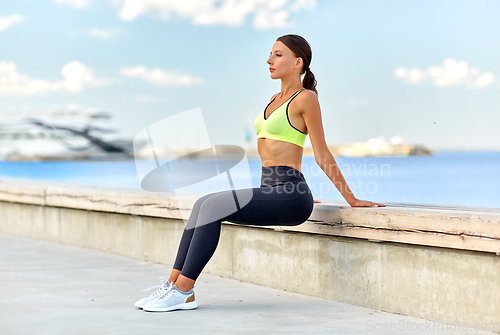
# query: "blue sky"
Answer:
x=428 y=71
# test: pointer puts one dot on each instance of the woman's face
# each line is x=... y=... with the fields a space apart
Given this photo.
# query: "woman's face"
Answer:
x=282 y=62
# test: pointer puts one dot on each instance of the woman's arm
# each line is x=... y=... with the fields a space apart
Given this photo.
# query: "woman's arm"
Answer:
x=311 y=113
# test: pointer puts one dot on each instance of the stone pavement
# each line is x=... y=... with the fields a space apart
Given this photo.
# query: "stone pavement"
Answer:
x=50 y=288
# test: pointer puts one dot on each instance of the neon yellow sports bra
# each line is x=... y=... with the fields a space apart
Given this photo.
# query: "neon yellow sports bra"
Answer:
x=277 y=126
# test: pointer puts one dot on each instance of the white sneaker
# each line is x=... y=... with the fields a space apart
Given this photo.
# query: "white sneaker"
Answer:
x=171 y=300
x=164 y=287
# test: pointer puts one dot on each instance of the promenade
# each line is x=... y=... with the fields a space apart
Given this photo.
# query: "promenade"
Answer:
x=52 y=288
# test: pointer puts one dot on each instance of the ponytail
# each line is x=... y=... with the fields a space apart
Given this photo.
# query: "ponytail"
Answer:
x=309 y=81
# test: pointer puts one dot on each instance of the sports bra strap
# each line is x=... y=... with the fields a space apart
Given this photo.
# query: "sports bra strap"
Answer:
x=293 y=96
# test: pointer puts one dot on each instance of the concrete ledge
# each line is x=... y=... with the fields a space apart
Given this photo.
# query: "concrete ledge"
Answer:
x=338 y=254
x=440 y=226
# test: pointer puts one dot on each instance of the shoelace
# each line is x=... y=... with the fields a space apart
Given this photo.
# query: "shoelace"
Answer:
x=169 y=292
x=165 y=286
x=165 y=295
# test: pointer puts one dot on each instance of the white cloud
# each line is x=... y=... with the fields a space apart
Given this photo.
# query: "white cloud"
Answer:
x=74 y=3
x=102 y=33
x=8 y=21
x=160 y=77
x=299 y=4
x=76 y=77
x=452 y=73
x=266 y=19
x=484 y=80
x=268 y=13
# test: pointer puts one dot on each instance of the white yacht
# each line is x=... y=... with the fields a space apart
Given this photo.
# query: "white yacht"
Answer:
x=64 y=134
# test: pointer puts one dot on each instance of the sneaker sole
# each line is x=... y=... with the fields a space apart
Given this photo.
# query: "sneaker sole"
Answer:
x=186 y=305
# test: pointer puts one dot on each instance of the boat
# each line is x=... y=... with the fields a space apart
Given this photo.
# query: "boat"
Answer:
x=63 y=134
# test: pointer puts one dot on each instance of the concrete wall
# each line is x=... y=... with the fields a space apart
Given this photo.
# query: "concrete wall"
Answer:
x=317 y=258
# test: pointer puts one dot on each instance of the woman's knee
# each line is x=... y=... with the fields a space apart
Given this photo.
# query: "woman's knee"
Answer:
x=217 y=207
x=202 y=199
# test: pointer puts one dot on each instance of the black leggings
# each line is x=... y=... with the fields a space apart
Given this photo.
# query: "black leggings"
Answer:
x=283 y=199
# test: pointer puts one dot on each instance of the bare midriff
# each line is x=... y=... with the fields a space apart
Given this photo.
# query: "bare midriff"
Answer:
x=274 y=152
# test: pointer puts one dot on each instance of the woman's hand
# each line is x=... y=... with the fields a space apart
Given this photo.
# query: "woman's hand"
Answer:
x=364 y=203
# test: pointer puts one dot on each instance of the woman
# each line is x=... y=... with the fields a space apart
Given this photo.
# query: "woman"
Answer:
x=283 y=197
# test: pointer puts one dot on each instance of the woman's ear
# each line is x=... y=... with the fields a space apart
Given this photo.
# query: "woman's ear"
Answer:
x=299 y=62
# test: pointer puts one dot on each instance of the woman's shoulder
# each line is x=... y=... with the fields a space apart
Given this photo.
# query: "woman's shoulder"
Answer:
x=308 y=92
x=307 y=96
x=307 y=100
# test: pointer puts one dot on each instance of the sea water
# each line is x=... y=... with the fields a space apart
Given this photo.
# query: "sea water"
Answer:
x=462 y=178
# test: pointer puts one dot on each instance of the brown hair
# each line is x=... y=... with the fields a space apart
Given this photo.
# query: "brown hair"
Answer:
x=301 y=48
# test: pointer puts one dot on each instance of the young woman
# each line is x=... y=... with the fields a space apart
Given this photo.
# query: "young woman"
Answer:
x=283 y=198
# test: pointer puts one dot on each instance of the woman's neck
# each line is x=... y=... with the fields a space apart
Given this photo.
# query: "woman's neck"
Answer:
x=290 y=85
